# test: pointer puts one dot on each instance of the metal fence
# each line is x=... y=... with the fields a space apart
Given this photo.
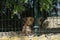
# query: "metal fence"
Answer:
x=40 y=24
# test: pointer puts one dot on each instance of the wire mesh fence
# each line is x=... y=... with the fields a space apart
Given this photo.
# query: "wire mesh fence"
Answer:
x=27 y=17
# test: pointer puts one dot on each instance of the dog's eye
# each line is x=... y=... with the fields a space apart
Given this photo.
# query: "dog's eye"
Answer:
x=31 y=19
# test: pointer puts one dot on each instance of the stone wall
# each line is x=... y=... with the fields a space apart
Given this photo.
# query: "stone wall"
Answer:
x=54 y=22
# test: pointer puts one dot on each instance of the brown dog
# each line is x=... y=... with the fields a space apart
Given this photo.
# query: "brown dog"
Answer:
x=27 y=25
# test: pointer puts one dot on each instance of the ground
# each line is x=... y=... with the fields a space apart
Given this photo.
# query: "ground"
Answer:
x=50 y=36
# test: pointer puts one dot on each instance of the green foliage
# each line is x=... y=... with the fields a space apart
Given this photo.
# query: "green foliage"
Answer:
x=58 y=0
x=45 y=4
x=17 y=5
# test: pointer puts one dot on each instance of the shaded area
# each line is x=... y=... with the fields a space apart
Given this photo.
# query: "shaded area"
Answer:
x=48 y=30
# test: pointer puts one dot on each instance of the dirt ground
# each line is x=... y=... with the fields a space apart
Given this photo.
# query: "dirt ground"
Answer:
x=19 y=37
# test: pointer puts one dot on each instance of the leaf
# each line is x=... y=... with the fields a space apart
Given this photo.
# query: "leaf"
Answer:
x=45 y=4
x=58 y=0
